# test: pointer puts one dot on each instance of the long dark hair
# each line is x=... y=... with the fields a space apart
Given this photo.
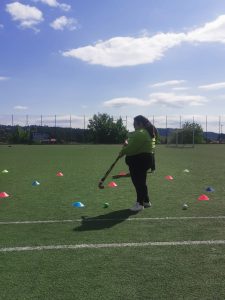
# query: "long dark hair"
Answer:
x=147 y=125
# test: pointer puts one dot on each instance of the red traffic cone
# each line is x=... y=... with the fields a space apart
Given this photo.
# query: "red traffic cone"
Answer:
x=112 y=184
x=60 y=174
x=3 y=195
x=122 y=173
x=168 y=177
x=203 y=198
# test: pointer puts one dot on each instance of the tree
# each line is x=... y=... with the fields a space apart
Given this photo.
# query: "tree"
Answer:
x=186 y=134
x=103 y=129
x=190 y=128
x=20 y=135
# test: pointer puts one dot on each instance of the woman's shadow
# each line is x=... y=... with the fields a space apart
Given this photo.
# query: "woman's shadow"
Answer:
x=104 y=221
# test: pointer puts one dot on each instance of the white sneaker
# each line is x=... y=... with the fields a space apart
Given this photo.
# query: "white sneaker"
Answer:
x=147 y=204
x=137 y=207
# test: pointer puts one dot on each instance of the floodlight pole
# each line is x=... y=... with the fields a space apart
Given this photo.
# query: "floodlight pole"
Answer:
x=176 y=137
x=206 y=128
x=84 y=122
x=221 y=132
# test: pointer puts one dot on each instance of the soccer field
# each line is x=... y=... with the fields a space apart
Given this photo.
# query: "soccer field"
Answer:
x=52 y=250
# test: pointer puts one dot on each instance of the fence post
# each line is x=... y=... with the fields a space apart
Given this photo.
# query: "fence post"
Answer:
x=219 y=128
x=55 y=128
x=193 y=133
x=70 y=129
x=84 y=129
x=166 y=131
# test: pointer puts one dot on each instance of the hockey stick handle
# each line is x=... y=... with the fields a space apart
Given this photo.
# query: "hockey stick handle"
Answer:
x=125 y=175
x=100 y=185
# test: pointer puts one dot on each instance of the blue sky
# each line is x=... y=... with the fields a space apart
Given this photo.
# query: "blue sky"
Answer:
x=123 y=57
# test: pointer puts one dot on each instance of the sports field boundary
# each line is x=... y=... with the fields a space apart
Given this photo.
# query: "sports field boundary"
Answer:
x=112 y=245
x=93 y=219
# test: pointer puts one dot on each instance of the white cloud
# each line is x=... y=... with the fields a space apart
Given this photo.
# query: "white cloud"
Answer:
x=168 y=83
x=125 y=101
x=180 y=88
x=130 y=51
x=177 y=100
x=165 y=99
x=213 y=86
x=55 y=3
x=63 y=22
x=2 y=78
x=65 y=7
x=28 y=16
x=20 y=107
x=210 y=32
x=127 y=51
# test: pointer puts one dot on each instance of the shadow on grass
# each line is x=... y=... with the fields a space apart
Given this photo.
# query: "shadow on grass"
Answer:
x=104 y=221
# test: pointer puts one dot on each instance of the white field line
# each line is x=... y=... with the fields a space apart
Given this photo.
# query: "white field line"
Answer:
x=112 y=219
x=113 y=245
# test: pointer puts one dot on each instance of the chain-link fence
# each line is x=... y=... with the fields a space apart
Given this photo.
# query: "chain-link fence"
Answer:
x=209 y=123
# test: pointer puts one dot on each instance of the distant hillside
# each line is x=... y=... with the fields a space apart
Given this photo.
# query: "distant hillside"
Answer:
x=78 y=135
x=213 y=136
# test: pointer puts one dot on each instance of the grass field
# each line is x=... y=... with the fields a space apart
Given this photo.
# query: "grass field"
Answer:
x=106 y=268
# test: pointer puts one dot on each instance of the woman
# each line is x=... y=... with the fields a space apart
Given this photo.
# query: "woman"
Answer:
x=140 y=158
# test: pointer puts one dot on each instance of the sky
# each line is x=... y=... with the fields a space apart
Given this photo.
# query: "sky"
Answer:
x=122 y=57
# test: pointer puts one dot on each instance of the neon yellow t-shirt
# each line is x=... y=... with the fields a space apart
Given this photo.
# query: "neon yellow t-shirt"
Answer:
x=139 y=142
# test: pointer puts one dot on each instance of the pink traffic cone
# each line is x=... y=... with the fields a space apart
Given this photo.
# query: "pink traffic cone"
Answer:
x=203 y=198
x=3 y=195
x=60 y=174
x=112 y=184
x=168 y=177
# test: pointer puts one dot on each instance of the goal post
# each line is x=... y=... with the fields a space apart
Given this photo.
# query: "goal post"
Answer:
x=181 y=138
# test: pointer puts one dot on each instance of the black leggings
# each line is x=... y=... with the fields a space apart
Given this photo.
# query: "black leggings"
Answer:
x=138 y=166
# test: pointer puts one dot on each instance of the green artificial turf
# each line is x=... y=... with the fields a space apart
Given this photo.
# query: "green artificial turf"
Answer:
x=162 y=272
